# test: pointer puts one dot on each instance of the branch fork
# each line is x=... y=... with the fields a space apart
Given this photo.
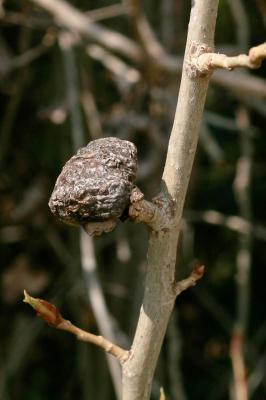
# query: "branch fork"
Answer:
x=196 y=50
x=202 y=61
x=196 y=274
x=156 y=214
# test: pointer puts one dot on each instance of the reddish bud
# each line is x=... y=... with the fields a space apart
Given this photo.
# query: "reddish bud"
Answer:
x=47 y=311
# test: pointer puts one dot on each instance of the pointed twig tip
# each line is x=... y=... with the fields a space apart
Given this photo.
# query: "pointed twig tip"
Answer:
x=27 y=297
x=198 y=271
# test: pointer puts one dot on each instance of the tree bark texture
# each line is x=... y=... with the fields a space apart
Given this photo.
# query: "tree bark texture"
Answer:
x=159 y=295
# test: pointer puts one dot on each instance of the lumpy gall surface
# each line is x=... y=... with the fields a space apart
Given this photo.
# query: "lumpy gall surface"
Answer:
x=95 y=184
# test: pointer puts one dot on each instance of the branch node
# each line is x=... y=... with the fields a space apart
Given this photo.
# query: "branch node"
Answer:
x=156 y=214
x=191 y=280
x=194 y=70
x=202 y=61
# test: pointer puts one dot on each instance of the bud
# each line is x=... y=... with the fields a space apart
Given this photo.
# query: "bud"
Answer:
x=47 y=311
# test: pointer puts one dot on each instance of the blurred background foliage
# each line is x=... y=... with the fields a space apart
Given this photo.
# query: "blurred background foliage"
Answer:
x=59 y=89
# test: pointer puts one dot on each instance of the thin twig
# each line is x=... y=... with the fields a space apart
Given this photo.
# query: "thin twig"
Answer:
x=114 y=10
x=98 y=303
x=67 y=43
x=190 y=281
x=210 y=145
x=208 y=62
x=233 y=222
x=27 y=57
x=145 y=34
x=242 y=189
x=174 y=356
x=241 y=23
x=258 y=374
x=124 y=73
x=69 y=17
x=50 y=314
x=99 y=341
x=91 y=111
x=238 y=365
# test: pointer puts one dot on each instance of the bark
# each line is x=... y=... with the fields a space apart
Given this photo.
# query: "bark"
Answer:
x=159 y=296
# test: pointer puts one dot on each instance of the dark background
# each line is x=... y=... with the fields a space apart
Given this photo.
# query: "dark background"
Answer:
x=55 y=98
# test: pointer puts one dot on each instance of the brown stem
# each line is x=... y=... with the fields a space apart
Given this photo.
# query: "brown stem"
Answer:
x=191 y=280
x=238 y=364
x=116 y=351
x=51 y=315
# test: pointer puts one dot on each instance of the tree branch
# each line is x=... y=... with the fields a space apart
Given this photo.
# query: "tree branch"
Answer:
x=191 y=280
x=100 y=341
x=51 y=315
x=156 y=215
x=159 y=296
x=207 y=62
x=71 y=18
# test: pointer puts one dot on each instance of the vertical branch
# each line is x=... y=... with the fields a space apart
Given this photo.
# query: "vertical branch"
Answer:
x=9 y=115
x=92 y=115
x=176 y=385
x=243 y=262
x=159 y=296
x=66 y=42
x=168 y=28
x=98 y=304
x=88 y=261
x=241 y=23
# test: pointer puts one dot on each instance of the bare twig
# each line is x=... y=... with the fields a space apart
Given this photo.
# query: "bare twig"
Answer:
x=145 y=34
x=191 y=280
x=207 y=61
x=258 y=375
x=242 y=187
x=210 y=145
x=162 y=394
x=242 y=193
x=50 y=314
x=67 y=42
x=174 y=357
x=238 y=364
x=233 y=222
x=125 y=73
x=114 y=10
x=240 y=83
x=90 y=109
x=28 y=56
x=220 y=121
x=168 y=26
x=97 y=300
x=241 y=23
x=69 y=17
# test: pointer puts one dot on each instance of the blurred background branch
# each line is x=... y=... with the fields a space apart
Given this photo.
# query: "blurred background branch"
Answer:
x=75 y=71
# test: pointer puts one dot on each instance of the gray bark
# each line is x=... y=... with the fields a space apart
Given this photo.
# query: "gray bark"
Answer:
x=159 y=296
